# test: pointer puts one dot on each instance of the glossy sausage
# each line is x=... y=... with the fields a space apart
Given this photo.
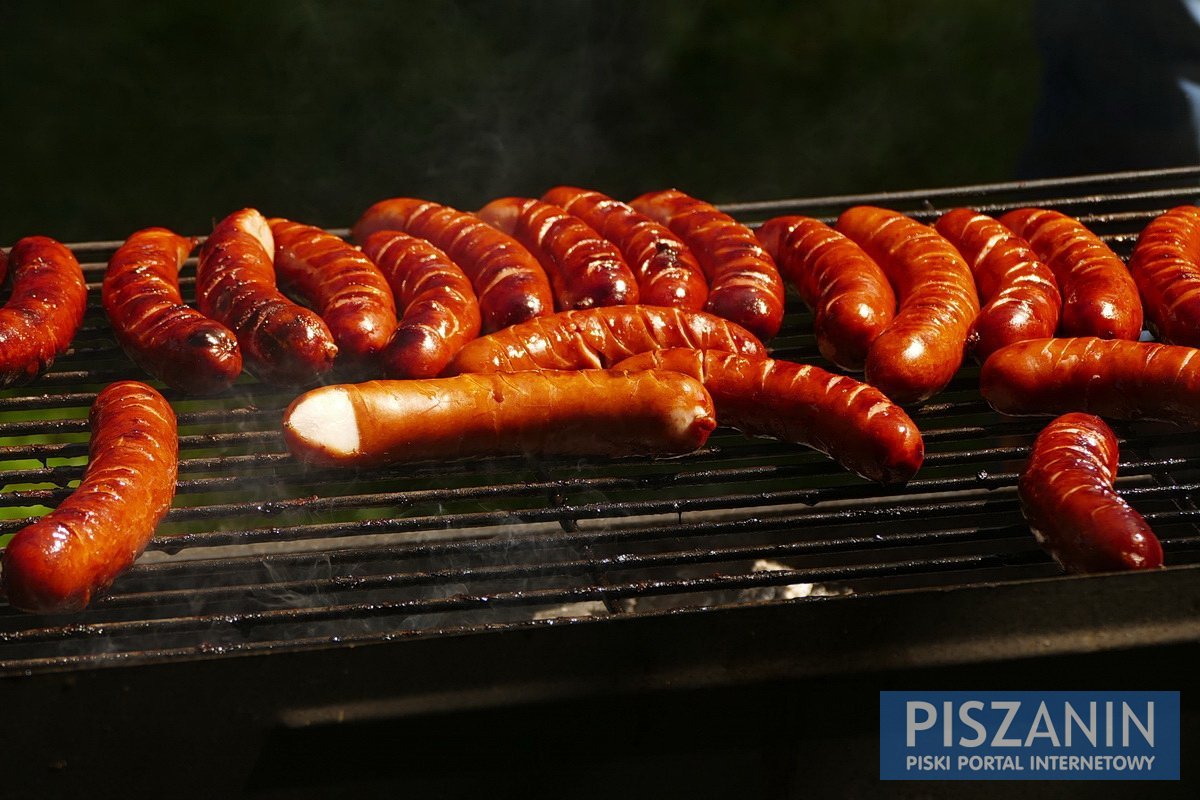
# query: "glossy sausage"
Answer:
x=586 y=413
x=1018 y=291
x=1068 y=499
x=174 y=343
x=510 y=284
x=667 y=271
x=1165 y=265
x=44 y=310
x=853 y=423
x=744 y=284
x=851 y=299
x=62 y=560
x=1099 y=296
x=281 y=342
x=440 y=312
x=917 y=355
x=341 y=284
x=1114 y=378
x=585 y=269
x=600 y=337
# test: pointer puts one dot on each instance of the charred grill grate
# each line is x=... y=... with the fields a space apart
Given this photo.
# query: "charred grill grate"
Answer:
x=262 y=554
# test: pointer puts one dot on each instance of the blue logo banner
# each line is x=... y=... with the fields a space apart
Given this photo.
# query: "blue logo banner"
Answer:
x=1029 y=736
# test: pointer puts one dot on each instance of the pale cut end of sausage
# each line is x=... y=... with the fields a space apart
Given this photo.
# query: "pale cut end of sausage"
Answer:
x=325 y=420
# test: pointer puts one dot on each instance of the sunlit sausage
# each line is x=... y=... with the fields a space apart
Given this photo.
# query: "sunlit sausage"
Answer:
x=1165 y=265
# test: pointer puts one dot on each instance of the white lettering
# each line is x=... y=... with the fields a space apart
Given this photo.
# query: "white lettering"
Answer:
x=912 y=707
x=964 y=714
x=947 y=723
x=1089 y=730
x=1042 y=718
x=1013 y=706
x=1147 y=729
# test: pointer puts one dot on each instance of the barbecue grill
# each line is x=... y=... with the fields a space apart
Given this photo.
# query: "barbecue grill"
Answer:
x=442 y=622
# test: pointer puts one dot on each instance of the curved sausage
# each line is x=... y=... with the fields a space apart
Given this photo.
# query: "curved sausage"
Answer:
x=1068 y=499
x=1019 y=292
x=1099 y=296
x=62 y=560
x=600 y=337
x=588 y=413
x=853 y=423
x=510 y=284
x=851 y=299
x=1114 y=378
x=585 y=270
x=341 y=284
x=235 y=284
x=440 y=311
x=174 y=343
x=744 y=284
x=917 y=355
x=44 y=310
x=1165 y=265
x=667 y=271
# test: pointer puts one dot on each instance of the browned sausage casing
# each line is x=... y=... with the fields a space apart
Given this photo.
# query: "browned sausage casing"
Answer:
x=510 y=284
x=585 y=269
x=1019 y=292
x=1114 y=378
x=281 y=342
x=588 y=413
x=600 y=337
x=1165 y=265
x=917 y=355
x=744 y=284
x=440 y=313
x=851 y=299
x=1099 y=296
x=853 y=423
x=341 y=283
x=62 y=560
x=667 y=271
x=1068 y=499
x=174 y=343
x=44 y=310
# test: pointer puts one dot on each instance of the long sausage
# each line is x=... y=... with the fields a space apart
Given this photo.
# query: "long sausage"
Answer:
x=440 y=312
x=44 y=310
x=1099 y=296
x=62 y=560
x=1068 y=499
x=667 y=271
x=585 y=269
x=600 y=337
x=510 y=284
x=917 y=355
x=744 y=283
x=851 y=299
x=1018 y=291
x=1165 y=265
x=174 y=343
x=587 y=413
x=853 y=423
x=235 y=284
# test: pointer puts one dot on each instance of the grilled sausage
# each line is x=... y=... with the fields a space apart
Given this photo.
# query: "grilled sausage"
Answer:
x=851 y=299
x=849 y=421
x=510 y=284
x=174 y=343
x=536 y=413
x=1114 y=378
x=1099 y=296
x=667 y=271
x=62 y=560
x=44 y=310
x=744 y=284
x=440 y=311
x=600 y=337
x=235 y=284
x=585 y=269
x=1019 y=292
x=342 y=284
x=917 y=355
x=1068 y=499
x=1165 y=265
